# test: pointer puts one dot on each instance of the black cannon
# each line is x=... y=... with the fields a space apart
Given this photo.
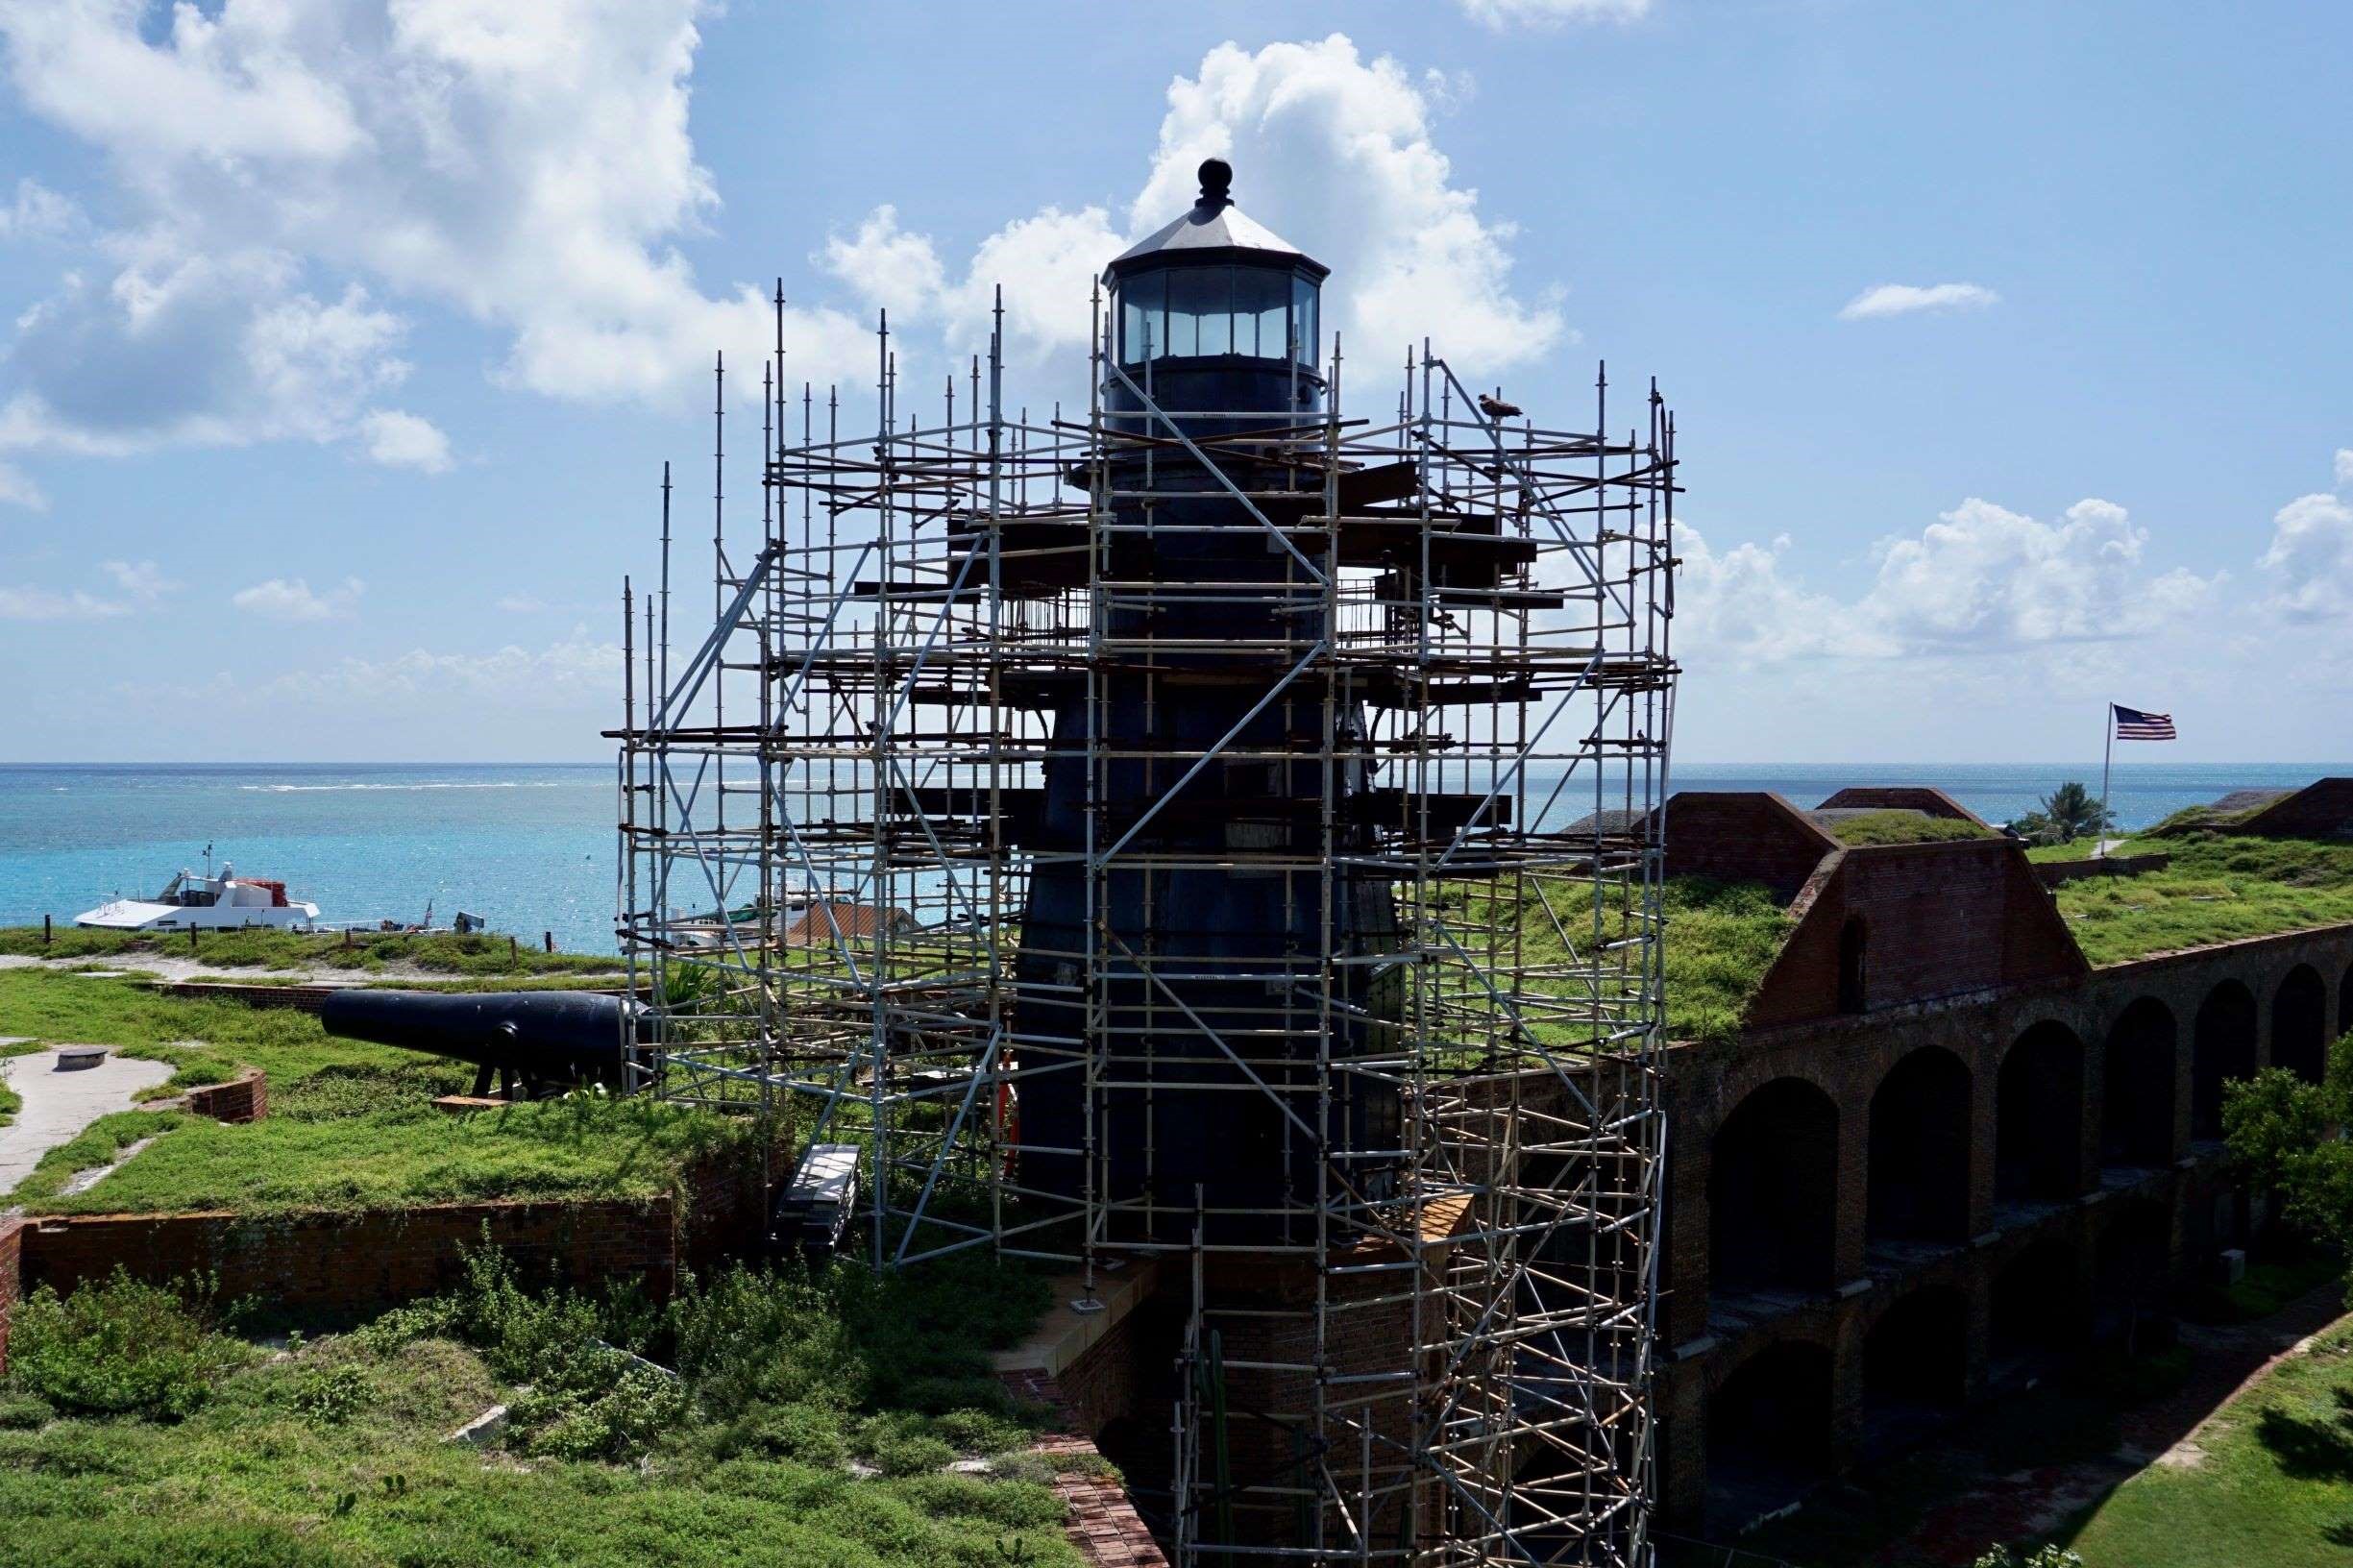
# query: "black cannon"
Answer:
x=540 y=1041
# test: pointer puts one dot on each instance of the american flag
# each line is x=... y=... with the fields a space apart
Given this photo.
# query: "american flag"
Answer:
x=2132 y=725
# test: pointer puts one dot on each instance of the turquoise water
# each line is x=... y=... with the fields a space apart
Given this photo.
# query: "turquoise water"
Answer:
x=530 y=847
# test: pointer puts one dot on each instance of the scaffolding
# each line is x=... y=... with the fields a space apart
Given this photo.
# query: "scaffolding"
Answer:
x=1428 y=1341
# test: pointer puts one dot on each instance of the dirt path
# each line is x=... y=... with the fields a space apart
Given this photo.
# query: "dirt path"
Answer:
x=2017 y=1506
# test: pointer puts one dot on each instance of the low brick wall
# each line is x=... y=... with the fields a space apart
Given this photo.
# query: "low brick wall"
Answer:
x=11 y=1278
x=345 y=1262
x=334 y=1264
x=1101 y=1523
x=245 y=1097
x=2054 y=872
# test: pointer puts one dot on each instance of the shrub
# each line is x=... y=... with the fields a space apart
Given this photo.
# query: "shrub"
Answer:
x=332 y=1397
x=20 y=1411
x=2042 y=1556
x=120 y=1348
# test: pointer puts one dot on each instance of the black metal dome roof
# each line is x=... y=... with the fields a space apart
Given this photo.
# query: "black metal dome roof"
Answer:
x=1214 y=229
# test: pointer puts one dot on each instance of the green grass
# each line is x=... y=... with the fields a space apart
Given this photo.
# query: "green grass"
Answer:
x=2219 y=889
x=486 y=953
x=1903 y=827
x=1720 y=941
x=332 y=1455
x=350 y=1124
x=12 y=1102
x=2274 y=1488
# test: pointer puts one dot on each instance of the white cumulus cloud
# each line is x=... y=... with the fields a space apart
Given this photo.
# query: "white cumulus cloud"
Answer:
x=38 y=213
x=2310 y=558
x=18 y=489
x=138 y=584
x=529 y=166
x=291 y=599
x=1334 y=151
x=404 y=440
x=1980 y=579
x=1907 y=299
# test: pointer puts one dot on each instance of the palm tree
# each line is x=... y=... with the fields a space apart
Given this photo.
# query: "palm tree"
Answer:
x=2071 y=810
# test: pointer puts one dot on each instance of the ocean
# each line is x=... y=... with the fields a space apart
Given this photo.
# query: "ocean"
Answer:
x=530 y=847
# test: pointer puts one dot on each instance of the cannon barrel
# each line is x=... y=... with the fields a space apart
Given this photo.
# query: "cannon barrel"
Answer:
x=542 y=1036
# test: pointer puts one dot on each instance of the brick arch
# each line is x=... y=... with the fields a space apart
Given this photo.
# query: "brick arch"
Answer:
x=2299 y=1023
x=2036 y=1305
x=1916 y=1184
x=2131 y=1265
x=2137 y=1076
x=1773 y=1190
x=2038 y=1115
x=1770 y=1428
x=2344 y=1002
x=1916 y=1354
x=2221 y=1050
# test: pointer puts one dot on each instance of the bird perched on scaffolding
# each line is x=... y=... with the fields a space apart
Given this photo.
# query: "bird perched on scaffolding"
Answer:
x=1495 y=407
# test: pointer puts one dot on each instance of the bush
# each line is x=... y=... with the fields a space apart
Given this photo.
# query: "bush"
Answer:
x=2042 y=1556
x=332 y=1397
x=22 y=1411
x=120 y=1348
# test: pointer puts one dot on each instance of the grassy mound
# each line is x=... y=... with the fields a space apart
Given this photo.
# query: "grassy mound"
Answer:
x=783 y=1418
x=351 y=1125
x=2219 y=888
x=1903 y=827
x=483 y=953
x=1721 y=938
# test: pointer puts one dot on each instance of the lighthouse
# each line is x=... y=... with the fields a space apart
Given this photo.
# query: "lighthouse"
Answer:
x=1185 y=926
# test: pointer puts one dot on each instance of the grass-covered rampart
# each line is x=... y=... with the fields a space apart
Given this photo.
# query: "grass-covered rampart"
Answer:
x=440 y=952
x=351 y=1125
x=1902 y=827
x=2220 y=887
x=756 y=1418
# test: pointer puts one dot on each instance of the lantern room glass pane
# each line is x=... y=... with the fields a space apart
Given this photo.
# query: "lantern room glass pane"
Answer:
x=1143 y=324
x=1303 y=321
x=1201 y=310
x=1259 y=299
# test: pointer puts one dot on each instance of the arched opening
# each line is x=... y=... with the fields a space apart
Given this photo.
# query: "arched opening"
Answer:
x=2038 y=1117
x=1853 y=988
x=1768 y=1433
x=1918 y=1188
x=1915 y=1365
x=1773 y=1191
x=2037 y=1306
x=2136 y=1108
x=2299 y=1024
x=2222 y=1050
x=2344 y=1002
x=2131 y=1274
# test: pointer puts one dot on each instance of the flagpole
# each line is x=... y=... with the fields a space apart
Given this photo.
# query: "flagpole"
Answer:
x=2107 y=758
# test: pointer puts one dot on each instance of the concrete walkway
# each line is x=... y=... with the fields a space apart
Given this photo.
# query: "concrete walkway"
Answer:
x=58 y=1104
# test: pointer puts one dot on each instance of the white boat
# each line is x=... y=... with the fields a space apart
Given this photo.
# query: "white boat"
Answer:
x=209 y=903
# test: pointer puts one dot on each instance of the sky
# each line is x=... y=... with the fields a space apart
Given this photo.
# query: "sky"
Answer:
x=341 y=344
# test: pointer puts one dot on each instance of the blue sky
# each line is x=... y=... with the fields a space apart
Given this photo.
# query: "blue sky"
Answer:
x=2009 y=340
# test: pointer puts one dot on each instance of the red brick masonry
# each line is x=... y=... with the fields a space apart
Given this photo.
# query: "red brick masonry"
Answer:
x=335 y=1262
x=12 y=1268
x=243 y=1098
x=1102 y=1524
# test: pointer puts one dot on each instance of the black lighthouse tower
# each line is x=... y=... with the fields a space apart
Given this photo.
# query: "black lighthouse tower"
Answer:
x=1191 y=899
